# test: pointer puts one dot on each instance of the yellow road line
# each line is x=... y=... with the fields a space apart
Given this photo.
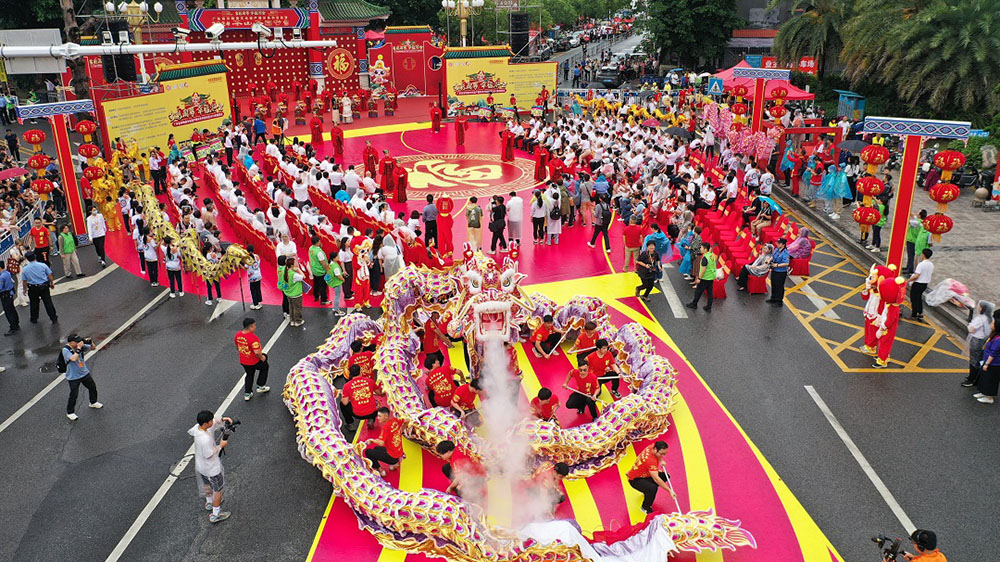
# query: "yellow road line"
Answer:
x=924 y=349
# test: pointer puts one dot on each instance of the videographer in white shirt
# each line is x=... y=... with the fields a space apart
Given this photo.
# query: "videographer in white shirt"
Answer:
x=207 y=463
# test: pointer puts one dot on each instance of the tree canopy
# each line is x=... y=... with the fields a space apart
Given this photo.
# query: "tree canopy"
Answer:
x=690 y=33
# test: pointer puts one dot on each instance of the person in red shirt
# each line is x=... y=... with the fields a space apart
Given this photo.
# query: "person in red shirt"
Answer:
x=588 y=388
x=647 y=475
x=602 y=362
x=440 y=382
x=252 y=358
x=432 y=336
x=545 y=405
x=364 y=360
x=586 y=342
x=512 y=365
x=40 y=236
x=196 y=136
x=463 y=401
x=633 y=242
x=357 y=401
x=545 y=339
x=435 y=118
x=548 y=482
x=460 y=468
x=388 y=447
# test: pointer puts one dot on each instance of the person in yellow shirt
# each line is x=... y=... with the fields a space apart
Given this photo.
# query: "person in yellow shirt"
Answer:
x=926 y=544
x=142 y=163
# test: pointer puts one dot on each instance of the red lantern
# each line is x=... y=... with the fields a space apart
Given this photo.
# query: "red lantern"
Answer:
x=42 y=187
x=86 y=128
x=35 y=138
x=89 y=151
x=740 y=91
x=93 y=173
x=778 y=112
x=739 y=108
x=38 y=162
x=938 y=224
x=948 y=161
x=870 y=186
x=779 y=93
x=874 y=155
x=944 y=193
x=866 y=216
x=445 y=205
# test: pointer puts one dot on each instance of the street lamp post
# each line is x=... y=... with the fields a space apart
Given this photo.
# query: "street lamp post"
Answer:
x=463 y=9
x=136 y=14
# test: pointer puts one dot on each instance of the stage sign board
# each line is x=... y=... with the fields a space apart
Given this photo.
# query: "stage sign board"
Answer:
x=471 y=80
x=508 y=4
x=200 y=102
x=203 y=18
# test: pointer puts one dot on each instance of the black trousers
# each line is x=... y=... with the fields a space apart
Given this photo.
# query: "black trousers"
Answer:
x=153 y=269
x=497 y=237
x=911 y=250
x=255 y=294
x=176 y=278
x=648 y=487
x=218 y=289
x=647 y=285
x=321 y=292
x=578 y=402
x=41 y=292
x=348 y=280
x=99 y=248
x=431 y=233
x=160 y=179
x=741 y=281
x=380 y=454
x=259 y=136
x=9 y=310
x=778 y=285
x=611 y=377
x=704 y=286
x=260 y=369
x=600 y=230
x=347 y=411
x=74 y=391
x=550 y=342
x=917 y=298
x=538 y=228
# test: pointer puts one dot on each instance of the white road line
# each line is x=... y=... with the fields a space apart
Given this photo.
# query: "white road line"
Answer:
x=222 y=307
x=676 y=306
x=161 y=492
x=36 y=398
x=865 y=466
x=83 y=282
x=813 y=297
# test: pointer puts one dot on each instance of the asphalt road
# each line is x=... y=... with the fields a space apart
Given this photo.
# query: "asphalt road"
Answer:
x=575 y=55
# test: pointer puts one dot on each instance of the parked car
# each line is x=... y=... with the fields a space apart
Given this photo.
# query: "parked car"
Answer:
x=562 y=44
x=574 y=40
x=609 y=76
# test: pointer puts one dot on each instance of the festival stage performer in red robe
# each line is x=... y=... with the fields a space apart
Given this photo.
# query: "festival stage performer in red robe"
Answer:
x=541 y=164
x=337 y=137
x=308 y=97
x=461 y=124
x=402 y=182
x=446 y=221
x=370 y=157
x=387 y=172
x=435 y=118
x=869 y=294
x=283 y=98
x=892 y=292
x=297 y=88
x=506 y=146
x=272 y=90
x=556 y=167
x=327 y=96
x=313 y=86
x=316 y=127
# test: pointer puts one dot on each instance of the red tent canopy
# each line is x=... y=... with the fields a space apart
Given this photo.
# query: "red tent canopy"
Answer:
x=793 y=93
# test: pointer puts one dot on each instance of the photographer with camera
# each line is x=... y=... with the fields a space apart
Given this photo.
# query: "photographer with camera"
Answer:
x=926 y=544
x=207 y=463
x=71 y=363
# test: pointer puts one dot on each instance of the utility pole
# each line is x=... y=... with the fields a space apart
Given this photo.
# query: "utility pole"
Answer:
x=79 y=83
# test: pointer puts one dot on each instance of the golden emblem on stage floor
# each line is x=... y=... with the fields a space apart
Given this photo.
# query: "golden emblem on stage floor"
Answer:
x=462 y=175
x=434 y=173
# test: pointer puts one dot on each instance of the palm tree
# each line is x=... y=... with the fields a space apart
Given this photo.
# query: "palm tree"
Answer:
x=942 y=53
x=815 y=32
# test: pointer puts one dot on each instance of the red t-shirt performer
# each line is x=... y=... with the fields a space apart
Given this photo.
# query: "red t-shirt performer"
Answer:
x=546 y=338
x=440 y=382
x=647 y=474
x=358 y=401
x=461 y=468
x=602 y=365
x=365 y=360
x=463 y=402
x=435 y=118
x=252 y=358
x=388 y=446
x=587 y=390
x=545 y=405
x=40 y=236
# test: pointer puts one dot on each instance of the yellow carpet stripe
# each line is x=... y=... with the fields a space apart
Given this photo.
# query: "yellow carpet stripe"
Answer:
x=411 y=479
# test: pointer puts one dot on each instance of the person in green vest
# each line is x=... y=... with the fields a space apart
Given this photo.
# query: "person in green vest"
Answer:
x=706 y=279
x=67 y=250
x=882 y=204
x=917 y=238
x=318 y=266
x=334 y=278
x=291 y=282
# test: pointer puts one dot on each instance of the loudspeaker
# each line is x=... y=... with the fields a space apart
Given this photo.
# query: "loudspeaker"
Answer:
x=117 y=67
x=519 y=24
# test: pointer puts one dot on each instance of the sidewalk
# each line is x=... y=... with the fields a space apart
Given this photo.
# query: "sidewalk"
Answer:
x=970 y=253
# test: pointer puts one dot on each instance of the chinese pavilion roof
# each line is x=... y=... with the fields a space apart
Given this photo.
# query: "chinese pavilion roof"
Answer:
x=478 y=52
x=352 y=10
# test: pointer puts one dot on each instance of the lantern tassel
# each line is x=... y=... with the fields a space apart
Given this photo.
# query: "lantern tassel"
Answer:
x=942 y=207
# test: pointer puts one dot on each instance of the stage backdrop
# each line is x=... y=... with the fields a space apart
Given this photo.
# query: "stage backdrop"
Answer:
x=471 y=77
x=181 y=106
x=408 y=60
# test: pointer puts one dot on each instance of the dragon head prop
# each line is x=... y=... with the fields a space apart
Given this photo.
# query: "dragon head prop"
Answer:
x=491 y=303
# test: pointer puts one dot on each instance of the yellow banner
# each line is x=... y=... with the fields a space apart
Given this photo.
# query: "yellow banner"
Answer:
x=200 y=102
x=472 y=80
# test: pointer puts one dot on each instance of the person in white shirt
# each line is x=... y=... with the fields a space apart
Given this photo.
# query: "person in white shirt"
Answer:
x=766 y=182
x=919 y=281
x=352 y=181
x=277 y=216
x=515 y=217
x=323 y=184
x=272 y=150
x=369 y=183
x=300 y=190
x=207 y=463
x=286 y=247
x=97 y=228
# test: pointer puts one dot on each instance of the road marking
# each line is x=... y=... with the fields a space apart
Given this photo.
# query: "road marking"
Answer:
x=83 y=282
x=813 y=297
x=185 y=460
x=221 y=308
x=36 y=398
x=676 y=306
x=897 y=510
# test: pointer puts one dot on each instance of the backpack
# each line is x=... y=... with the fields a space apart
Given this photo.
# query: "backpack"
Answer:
x=554 y=213
x=61 y=360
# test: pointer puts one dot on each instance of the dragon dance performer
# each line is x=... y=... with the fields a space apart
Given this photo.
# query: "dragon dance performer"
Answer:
x=435 y=118
x=892 y=293
x=358 y=401
x=588 y=388
x=602 y=362
x=362 y=358
x=461 y=469
x=440 y=382
x=647 y=475
x=388 y=446
x=871 y=297
x=545 y=405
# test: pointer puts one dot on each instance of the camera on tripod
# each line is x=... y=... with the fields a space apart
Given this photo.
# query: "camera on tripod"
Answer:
x=229 y=428
x=890 y=547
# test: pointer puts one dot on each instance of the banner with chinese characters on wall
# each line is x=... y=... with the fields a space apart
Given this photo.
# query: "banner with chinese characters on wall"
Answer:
x=471 y=80
x=185 y=104
x=408 y=60
x=807 y=65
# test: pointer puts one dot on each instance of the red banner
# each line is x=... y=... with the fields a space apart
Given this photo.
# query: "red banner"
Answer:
x=202 y=19
x=808 y=65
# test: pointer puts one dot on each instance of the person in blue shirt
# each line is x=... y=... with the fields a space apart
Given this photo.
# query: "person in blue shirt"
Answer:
x=664 y=246
x=77 y=373
x=779 y=272
x=37 y=280
x=259 y=130
x=7 y=294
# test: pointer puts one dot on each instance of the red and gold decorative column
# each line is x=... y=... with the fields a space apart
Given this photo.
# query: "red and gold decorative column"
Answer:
x=74 y=202
x=760 y=77
x=315 y=55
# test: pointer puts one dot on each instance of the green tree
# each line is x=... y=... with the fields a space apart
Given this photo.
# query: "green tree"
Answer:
x=411 y=12
x=815 y=32
x=691 y=33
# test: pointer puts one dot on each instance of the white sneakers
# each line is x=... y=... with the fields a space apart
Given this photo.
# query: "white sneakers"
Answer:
x=97 y=405
x=263 y=389
x=72 y=417
x=208 y=302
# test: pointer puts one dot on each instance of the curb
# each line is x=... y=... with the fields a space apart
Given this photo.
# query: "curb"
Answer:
x=950 y=319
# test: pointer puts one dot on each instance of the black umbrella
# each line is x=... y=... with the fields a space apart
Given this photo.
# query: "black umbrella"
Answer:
x=852 y=145
x=678 y=132
x=595 y=86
